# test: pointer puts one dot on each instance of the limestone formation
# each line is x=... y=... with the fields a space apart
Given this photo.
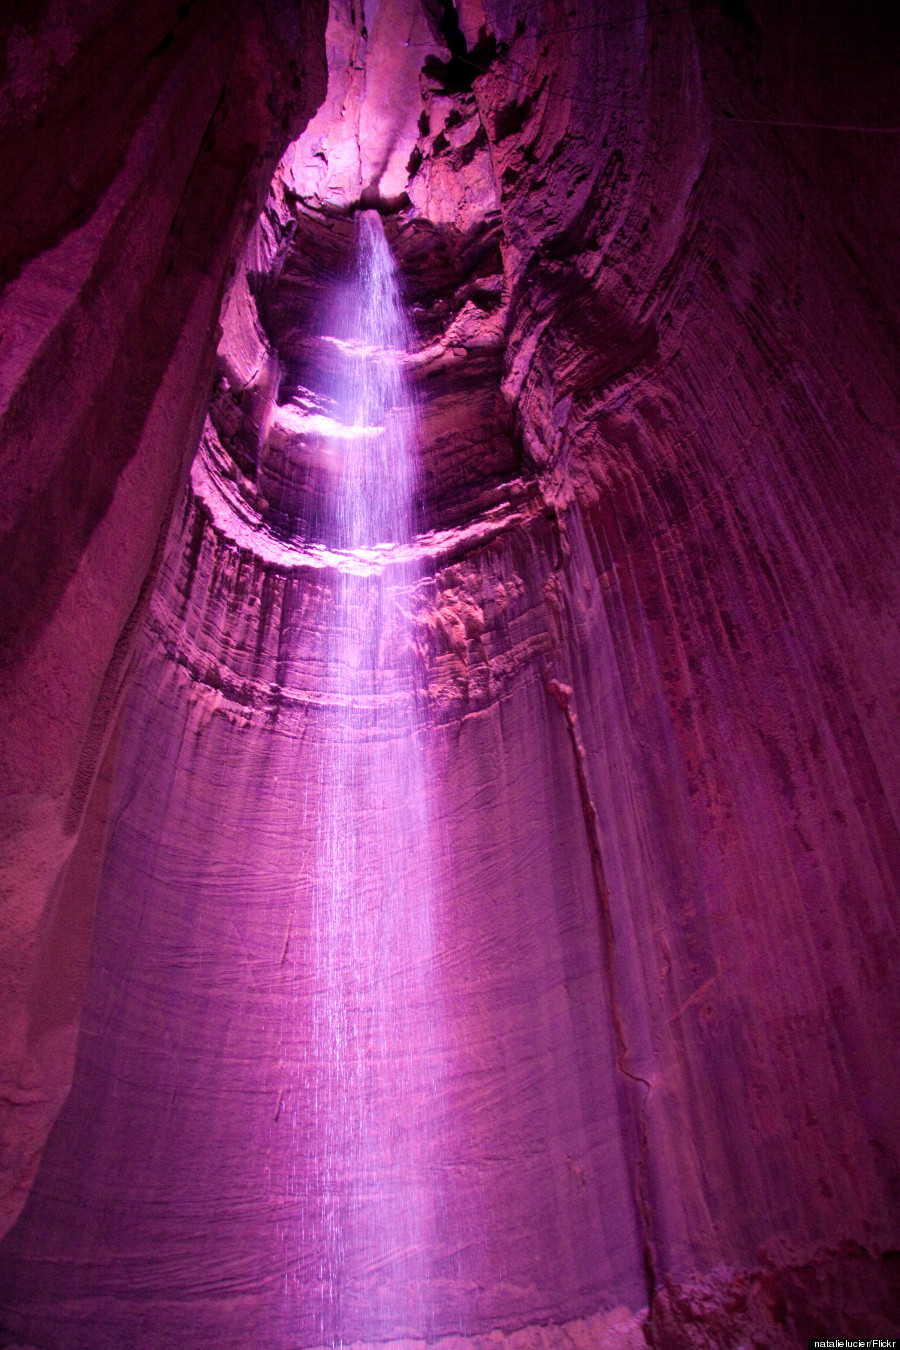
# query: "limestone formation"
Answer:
x=650 y=262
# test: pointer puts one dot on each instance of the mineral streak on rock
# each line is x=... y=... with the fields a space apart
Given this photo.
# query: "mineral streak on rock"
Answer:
x=656 y=615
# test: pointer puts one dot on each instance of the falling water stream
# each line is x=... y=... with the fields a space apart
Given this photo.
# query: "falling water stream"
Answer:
x=376 y=1058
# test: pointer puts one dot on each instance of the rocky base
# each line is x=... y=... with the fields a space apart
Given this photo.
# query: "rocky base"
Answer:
x=777 y=1305
x=838 y=1291
x=619 y=1329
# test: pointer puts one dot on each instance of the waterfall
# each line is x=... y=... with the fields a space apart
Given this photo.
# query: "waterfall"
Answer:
x=375 y=1062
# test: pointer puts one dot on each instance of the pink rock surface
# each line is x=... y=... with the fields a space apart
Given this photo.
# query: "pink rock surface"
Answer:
x=656 y=365
x=213 y=940
x=136 y=141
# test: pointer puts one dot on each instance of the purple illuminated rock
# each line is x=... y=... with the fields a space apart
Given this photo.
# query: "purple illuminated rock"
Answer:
x=656 y=365
x=137 y=141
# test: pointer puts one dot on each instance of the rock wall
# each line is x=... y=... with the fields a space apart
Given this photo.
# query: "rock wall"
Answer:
x=727 y=598
x=651 y=265
x=137 y=141
x=191 y=1112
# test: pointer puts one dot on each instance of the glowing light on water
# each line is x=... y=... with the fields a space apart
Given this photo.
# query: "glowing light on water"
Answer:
x=374 y=1081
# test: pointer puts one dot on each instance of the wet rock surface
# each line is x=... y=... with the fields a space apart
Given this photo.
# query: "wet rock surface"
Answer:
x=137 y=143
x=655 y=356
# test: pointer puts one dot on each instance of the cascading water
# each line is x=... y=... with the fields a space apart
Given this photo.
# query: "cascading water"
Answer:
x=373 y=1079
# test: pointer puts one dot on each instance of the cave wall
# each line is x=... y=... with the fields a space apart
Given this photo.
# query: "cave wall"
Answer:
x=729 y=592
x=726 y=483
x=190 y=1133
x=138 y=142
x=665 y=691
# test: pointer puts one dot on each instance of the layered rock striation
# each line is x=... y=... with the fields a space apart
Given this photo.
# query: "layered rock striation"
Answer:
x=650 y=266
x=138 y=142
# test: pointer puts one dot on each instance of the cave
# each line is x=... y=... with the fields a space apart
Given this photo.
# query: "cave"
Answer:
x=599 y=1049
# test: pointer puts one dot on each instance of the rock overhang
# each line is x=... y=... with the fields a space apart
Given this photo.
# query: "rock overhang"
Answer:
x=271 y=406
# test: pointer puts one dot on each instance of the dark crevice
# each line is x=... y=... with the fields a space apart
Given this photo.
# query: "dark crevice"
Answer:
x=636 y=1089
x=456 y=75
x=636 y=1096
x=468 y=152
x=509 y=120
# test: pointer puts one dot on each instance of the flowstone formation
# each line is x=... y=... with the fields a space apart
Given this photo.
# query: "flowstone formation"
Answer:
x=648 y=264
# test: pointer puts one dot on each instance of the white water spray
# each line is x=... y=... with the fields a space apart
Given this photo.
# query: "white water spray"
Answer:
x=376 y=1056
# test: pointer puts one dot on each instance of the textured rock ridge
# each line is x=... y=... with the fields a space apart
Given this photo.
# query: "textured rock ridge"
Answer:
x=778 y=1301
x=652 y=269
